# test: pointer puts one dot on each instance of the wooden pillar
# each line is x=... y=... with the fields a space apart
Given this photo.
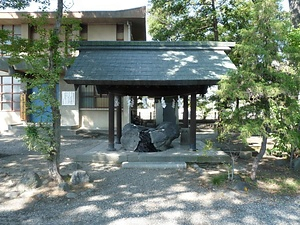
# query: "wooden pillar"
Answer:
x=111 y=122
x=185 y=111
x=193 y=122
x=119 y=120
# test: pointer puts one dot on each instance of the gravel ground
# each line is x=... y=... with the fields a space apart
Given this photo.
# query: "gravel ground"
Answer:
x=127 y=196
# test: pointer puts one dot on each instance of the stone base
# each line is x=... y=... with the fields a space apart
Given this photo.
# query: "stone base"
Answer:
x=185 y=136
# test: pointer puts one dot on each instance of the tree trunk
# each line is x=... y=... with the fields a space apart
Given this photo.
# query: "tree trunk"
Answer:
x=215 y=21
x=53 y=162
x=295 y=12
x=53 y=169
x=258 y=157
x=292 y=157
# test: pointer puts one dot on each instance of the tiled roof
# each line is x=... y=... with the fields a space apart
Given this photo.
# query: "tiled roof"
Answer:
x=150 y=63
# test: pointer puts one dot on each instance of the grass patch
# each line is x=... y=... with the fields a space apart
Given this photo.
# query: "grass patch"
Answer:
x=280 y=185
x=219 y=179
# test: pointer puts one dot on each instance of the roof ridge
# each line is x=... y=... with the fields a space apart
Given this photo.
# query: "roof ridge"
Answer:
x=179 y=45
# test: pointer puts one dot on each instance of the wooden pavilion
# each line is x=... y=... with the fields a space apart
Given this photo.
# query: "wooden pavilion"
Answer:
x=154 y=69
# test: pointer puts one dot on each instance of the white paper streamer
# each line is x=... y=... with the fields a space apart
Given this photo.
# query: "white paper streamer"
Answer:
x=173 y=103
x=179 y=102
x=145 y=102
x=163 y=102
x=116 y=101
x=129 y=102
x=132 y=103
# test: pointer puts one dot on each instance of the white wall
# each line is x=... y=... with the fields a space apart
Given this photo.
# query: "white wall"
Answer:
x=9 y=118
x=98 y=118
x=101 y=32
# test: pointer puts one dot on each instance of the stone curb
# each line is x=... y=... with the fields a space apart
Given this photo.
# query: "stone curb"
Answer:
x=154 y=165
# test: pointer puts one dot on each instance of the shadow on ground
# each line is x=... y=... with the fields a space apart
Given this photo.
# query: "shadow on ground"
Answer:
x=131 y=196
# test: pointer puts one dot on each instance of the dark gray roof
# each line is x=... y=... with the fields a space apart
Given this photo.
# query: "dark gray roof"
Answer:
x=150 y=63
x=5 y=65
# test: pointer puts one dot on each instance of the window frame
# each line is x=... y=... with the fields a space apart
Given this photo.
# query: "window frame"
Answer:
x=98 y=101
x=12 y=89
x=12 y=30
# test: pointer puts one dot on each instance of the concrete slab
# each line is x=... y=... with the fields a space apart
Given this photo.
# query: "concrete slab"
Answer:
x=178 y=153
x=154 y=165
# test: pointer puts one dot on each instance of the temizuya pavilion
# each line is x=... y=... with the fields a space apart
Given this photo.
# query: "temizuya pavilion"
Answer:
x=154 y=69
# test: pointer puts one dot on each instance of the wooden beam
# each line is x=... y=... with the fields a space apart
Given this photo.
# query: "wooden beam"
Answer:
x=152 y=91
x=193 y=123
x=185 y=111
x=119 y=120
x=111 y=122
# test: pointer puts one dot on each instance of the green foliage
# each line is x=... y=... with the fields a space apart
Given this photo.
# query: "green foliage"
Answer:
x=203 y=105
x=260 y=98
x=179 y=20
x=38 y=138
x=36 y=52
x=293 y=48
x=190 y=20
x=21 y=4
x=46 y=58
x=208 y=145
x=219 y=179
x=233 y=16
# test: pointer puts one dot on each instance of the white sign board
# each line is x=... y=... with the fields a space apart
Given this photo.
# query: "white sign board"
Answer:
x=68 y=97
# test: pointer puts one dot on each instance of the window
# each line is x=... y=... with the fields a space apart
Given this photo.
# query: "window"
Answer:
x=89 y=98
x=14 y=30
x=10 y=91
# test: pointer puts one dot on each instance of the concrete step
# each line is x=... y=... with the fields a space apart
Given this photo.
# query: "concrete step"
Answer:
x=154 y=165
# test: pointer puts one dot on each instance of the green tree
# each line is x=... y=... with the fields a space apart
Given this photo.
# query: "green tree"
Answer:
x=175 y=20
x=46 y=59
x=291 y=134
x=260 y=95
x=191 y=20
x=21 y=4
